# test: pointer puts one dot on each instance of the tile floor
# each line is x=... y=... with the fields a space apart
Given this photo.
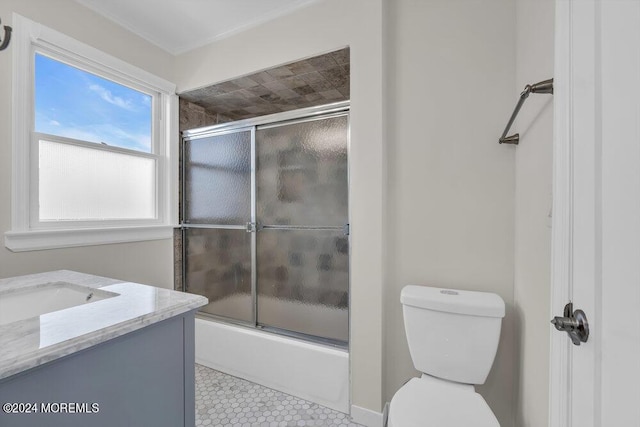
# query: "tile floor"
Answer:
x=223 y=400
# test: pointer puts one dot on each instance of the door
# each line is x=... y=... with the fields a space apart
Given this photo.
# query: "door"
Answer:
x=596 y=223
x=302 y=210
x=265 y=222
x=217 y=192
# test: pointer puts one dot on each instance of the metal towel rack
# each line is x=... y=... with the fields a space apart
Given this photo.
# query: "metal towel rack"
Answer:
x=7 y=37
x=545 y=86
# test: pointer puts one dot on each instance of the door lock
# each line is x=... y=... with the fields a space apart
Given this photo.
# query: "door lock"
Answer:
x=573 y=323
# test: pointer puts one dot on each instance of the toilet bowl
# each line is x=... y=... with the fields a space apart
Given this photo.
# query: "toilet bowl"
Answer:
x=453 y=338
x=423 y=402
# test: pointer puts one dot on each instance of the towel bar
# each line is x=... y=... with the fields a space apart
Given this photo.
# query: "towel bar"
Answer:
x=545 y=86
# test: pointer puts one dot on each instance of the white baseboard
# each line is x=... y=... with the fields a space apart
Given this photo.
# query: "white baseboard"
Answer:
x=366 y=417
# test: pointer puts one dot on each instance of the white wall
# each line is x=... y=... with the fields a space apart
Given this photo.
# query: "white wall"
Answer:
x=147 y=262
x=535 y=47
x=451 y=185
x=320 y=28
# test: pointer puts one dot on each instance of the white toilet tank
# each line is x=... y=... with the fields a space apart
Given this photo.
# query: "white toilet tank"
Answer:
x=452 y=334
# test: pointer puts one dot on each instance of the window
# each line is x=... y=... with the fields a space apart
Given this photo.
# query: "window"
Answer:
x=93 y=147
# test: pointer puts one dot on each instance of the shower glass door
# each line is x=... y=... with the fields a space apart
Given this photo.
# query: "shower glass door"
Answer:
x=302 y=211
x=217 y=198
x=265 y=228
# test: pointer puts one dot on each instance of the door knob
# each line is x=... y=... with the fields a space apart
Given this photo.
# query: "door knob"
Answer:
x=573 y=323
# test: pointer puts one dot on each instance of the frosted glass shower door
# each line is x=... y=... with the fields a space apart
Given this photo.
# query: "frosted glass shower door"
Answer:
x=217 y=185
x=302 y=213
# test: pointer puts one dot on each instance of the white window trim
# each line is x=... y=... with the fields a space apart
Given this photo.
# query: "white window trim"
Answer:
x=28 y=35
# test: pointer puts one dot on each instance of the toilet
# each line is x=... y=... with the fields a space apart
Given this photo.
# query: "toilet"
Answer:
x=453 y=338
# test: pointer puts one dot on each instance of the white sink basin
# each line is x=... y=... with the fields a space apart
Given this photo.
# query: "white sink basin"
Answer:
x=34 y=301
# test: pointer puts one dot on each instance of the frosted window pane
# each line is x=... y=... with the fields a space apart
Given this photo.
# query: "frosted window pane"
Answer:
x=79 y=183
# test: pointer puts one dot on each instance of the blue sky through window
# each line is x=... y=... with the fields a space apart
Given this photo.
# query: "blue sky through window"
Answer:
x=76 y=104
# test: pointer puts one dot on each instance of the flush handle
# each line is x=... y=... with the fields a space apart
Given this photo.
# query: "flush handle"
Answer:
x=574 y=323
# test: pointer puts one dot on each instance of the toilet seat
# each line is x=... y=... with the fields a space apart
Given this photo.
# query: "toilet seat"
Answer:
x=431 y=402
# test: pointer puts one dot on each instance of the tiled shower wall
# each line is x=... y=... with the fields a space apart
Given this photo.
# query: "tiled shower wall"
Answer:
x=177 y=259
x=194 y=116
x=308 y=82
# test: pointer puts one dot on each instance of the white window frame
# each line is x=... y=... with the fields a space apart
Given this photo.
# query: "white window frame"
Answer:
x=27 y=232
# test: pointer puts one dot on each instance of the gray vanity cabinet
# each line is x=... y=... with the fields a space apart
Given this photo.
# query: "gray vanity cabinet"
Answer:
x=143 y=378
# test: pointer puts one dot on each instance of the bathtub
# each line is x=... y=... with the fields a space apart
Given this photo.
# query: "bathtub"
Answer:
x=315 y=372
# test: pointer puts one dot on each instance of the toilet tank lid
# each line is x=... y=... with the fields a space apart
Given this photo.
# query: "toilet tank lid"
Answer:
x=453 y=301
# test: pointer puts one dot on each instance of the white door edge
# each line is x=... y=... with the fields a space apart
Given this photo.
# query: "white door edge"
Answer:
x=561 y=235
x=596 y=218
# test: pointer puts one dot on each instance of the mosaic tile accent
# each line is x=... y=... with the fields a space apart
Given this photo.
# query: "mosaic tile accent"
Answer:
x=314 y=81
x=223 y=400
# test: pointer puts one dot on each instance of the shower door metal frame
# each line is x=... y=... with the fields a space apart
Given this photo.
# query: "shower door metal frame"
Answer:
x=302 y=115
x=184 y=225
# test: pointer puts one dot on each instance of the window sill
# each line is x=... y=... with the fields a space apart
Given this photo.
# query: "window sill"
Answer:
x=21 y=241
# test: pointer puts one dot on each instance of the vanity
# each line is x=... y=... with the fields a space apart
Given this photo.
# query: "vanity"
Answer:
x=82 y=350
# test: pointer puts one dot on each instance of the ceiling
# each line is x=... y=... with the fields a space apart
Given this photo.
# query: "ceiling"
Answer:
x=178 y=26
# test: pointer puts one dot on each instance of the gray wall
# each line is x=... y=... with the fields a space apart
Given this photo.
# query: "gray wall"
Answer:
x=535 y=49
x=451 y=73
x=449 y=213
x=450 y=192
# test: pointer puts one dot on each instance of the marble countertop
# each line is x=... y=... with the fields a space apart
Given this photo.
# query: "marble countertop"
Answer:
x=32 y=342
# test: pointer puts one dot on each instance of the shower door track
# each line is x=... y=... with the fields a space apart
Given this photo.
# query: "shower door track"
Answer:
x=297 y=227
x=263 y=122
x=336 y=344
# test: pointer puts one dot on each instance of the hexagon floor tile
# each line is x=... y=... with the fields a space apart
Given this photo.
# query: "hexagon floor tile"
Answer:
x=224 y=400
